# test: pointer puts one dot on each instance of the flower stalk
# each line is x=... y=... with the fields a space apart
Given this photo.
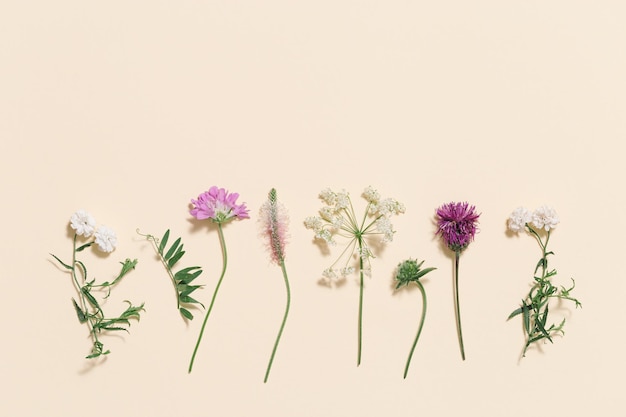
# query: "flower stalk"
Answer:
x=457 y=226
x=274 y=224
x=338 y=219
x=218 y=206
x=410 y=271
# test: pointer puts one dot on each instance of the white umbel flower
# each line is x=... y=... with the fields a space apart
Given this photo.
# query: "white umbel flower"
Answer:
x=83 y=223
x=106 y=239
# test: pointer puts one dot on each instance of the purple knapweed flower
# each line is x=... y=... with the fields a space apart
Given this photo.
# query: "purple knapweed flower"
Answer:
x=218 y=205
x=456 y=223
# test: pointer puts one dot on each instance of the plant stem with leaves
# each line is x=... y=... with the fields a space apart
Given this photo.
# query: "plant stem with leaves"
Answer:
x=535 y=307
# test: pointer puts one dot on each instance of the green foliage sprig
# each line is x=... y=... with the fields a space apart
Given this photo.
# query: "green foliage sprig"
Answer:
x=182 y=279
x=88 y=309
x=535 y=307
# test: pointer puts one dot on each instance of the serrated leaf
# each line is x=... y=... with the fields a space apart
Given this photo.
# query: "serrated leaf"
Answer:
x=171 y=251
x=164 y=241
x=186 y=313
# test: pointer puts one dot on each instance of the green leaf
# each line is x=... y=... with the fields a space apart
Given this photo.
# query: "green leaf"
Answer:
x=90 y=297
x=526 y=319
x=515 y=313
x=176 y=257
x=164 y=241
x=170 y=252
x=186 y=313
x=423 y=272
x=83 y=247
x=188 y=299
x=66 y=266
x=79 y=312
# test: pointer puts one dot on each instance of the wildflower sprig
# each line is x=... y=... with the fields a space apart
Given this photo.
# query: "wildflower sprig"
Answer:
x=88 y=309
x=274 y=223
x=182 y=279
x=410 y=271
x=457 y=224
x=338 y=219
x=218 y=206
x=535 y=307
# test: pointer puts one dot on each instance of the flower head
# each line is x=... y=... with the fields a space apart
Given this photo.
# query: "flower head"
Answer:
x=275 y=221
x=338 y=219
x=83 y=223
x=218 y=205
x=457 y=224
x=106 y=239
x=518 y=219
x=545 y=217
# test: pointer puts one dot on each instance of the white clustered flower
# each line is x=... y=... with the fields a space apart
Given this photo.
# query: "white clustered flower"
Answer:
x=371 y=195
x=105 y=239
x=83 y=223
x=348 y=270
x=343 y=201
x=329 y=273
x=383 y=225
x=313 y=223
x=545 y=217
x=519 y=218
x=328 y=196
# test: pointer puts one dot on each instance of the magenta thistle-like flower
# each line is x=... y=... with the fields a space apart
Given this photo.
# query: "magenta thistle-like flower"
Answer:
x=274 y=222
x=218 y=205
x=456 y=223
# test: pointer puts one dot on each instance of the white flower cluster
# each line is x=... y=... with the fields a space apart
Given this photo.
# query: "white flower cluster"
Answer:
x=337 y=218
x=85 y=225
x=544 y=217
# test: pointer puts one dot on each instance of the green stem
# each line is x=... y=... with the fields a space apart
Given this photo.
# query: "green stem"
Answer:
x=419 y=329
x=282 y=326
x=83 y=302
x=457 y=308
x=217 y=287
x=360 y=329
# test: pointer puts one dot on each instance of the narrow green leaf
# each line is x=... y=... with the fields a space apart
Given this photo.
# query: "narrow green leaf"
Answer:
x=423 y=272
x=515 y=313
x=83 y=247
x=164 y=241
x=186 y=313
x=188 y=299
x=526 y=319
x=66 y=266
x=175 y=258
x=171 y=251
x=90 y=297
x=79 y=312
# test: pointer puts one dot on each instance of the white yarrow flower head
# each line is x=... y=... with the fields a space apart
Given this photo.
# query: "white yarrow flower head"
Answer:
x=337 y=218
x=106 y=239
x=519 y=218
x=83 y=223
x=545 y=217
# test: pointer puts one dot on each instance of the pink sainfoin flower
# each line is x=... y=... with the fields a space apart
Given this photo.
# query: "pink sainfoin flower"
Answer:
x=457 y=224
x=274 y=223
x=218 y=205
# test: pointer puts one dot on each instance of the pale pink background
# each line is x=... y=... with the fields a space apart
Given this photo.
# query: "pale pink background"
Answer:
x=129 y=109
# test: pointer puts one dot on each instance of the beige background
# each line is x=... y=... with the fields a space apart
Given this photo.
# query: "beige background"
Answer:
x=129 y=109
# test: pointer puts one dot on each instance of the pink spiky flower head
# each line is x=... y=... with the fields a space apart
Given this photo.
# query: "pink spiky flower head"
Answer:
x=218 y=205
x=274 y=222
x=457 y=224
